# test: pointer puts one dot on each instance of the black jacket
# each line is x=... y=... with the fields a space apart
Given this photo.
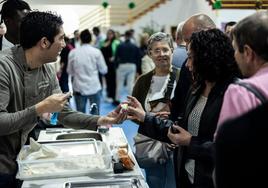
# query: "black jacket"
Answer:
x=127 y=52
x=201 y=146
x=181 y=91
x=241 y=159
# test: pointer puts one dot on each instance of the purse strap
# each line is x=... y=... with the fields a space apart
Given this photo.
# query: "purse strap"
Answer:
x=1 y=42
x=252 y=89
x=170 y=83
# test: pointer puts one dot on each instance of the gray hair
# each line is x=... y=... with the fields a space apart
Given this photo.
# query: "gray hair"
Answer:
x=179 y=31
x=160 y=37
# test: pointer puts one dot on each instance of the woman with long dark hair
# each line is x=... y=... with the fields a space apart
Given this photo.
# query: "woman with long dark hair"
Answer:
x=108 y=49
x=213 y=67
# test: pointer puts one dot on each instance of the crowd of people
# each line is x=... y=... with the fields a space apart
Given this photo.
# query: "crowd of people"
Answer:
x=202 y=99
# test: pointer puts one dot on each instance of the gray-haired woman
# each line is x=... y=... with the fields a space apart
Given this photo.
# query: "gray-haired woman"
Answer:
x=154 y=91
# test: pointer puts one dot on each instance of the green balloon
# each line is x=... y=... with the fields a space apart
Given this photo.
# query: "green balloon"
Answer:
x=217 y=4
x=105 y=4
x=131 y=5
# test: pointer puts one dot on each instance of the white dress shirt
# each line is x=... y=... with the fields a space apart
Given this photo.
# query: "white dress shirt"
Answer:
x=84 y=65
x=6 y=44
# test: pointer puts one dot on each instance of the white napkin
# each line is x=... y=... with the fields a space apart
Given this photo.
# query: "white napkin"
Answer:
x=39 y=151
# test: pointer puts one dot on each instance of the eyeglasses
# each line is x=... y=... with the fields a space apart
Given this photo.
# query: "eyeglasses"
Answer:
x=164 y=51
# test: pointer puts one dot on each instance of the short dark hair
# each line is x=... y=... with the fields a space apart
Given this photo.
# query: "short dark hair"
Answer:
x=10 y=8
x=253 y=31
x=128 y=34
x=76 y=31
x=231 y=23
x=36 y=25
x=96 y=30
x=213 y=57
x=85 y=36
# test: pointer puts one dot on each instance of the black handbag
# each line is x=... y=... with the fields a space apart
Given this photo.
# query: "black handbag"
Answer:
x=149 y=151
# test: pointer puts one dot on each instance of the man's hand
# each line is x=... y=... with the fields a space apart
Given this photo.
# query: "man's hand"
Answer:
x=182 y=138
x=135 y=110
x=53 y=103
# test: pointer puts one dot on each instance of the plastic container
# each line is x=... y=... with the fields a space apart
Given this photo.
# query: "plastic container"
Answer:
x=73 y=159
x=54 y=118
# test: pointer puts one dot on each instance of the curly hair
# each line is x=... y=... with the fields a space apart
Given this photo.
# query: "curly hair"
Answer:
x=213 y=57
x=36 y=25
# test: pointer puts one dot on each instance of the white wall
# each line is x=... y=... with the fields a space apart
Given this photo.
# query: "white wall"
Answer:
x=70 y=14
x=167 y=15
x=171 y=13
x=227 y=15
x=175 y=11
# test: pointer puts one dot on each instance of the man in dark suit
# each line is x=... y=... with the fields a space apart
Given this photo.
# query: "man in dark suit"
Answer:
x=195 y=23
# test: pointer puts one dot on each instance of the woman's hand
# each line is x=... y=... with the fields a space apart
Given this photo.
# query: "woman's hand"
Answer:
x=162 y=114
x=182 y=138
x=135 y=110
x=117 y=116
